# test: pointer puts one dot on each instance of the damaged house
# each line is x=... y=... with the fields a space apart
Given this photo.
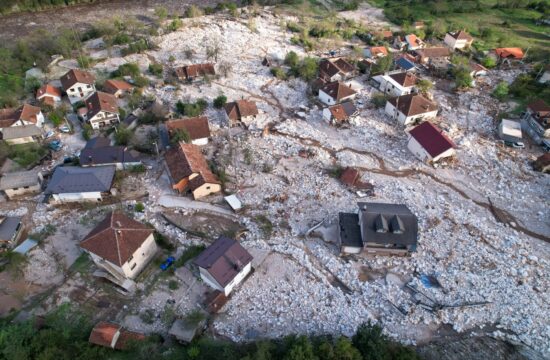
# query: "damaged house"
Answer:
x=335 y=70
x=195 y=72
x=10 y=230
x=429 y=144
x=385 y=229
x=458 y=39
x=340 y=113
x=396 y=83
x=241 y=112
x=411 y=108
x=537 y=117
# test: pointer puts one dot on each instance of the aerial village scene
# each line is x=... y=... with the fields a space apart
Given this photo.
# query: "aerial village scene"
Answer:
x=275 y=180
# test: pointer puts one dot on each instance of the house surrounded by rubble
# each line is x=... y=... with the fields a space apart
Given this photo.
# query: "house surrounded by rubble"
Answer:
x=121 y=246
x=75 y=184
x=335 y=93
x=396 y=83
x=195 y=72
x=224 y=264
x=78 y=85
x=197 y=128
x=102 y=110
x=340 y=113
x=118 y=88
x=11 y=228
x=241 y=112
x=429 y=144
x=99 y=152
x=385 y=229
x=335 y=70
x=20 y=183
x=411 y=108
x=537 y=117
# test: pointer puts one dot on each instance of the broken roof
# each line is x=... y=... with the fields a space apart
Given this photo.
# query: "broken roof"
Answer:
x=431 y=138
x=341 y=112
x=111 y=86
x=196 y=127
x=71 y=179
x=19 y=179
x=404 y=79
x=183 y=160
x=76 y=76
x=510 y=53
x=224 y=259
x=48 y=90
x=17 y=132
x=413 y=40
x=413 y=104
x=387 y=224
x=113 y=336
x=191 y=71
x=338 y=90
x=330 y=67
x=236 y=110
x=116 y=238
x=100 y=101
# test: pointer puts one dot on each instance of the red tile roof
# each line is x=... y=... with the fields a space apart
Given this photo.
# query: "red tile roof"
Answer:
x=241 y=108
x=341 y=112
x=116 y=238
x=48 y=90
x=375 y=50
x=413 y=104
x=184 y=160
x=192 y=71
x=461 y=35
x=431 y=138
x=510 y=53
x=26 y=112
x=338 y=90
x=112 y=86
x=100 y=101
x=196 y=127
x=113 y=336
x=404 y=79
x=76 y=76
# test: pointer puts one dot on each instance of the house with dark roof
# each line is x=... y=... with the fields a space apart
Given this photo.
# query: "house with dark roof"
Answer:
x=428 y=143
x=195 y=72
x=396 y=83
x=10 y=230
x=98 y=152
x=241 y=112
x=189 y=171
x=537 y=117
x=335 y=93
x=113 y=336
x=458 y=39
x=118 y=88
x=197 y=128
x=224 y=264
x=49 y=95
x=24 y=115
x=20 y=183
x=411 y=108
x=78 y=85
x=75 y=184
x=102 y=110
x=121 y=246
x=21 y=134
x=340 y=113
x=377 y=228
x=337 y=69
x=406 y=62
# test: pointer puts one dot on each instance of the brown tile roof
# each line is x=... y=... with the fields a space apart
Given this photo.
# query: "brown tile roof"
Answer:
x=46 y=90
x=29 y=113
x=539 y=107
x=105 y=334
x=224 y=259
x=431 y=138
x=511 y=53
x=26 y=113
x=338 y=90
x=434 y=52
x=344 y=66
x=112 y=86
x=100 y=101
x=241 y=108
x=116 y=238
x=185 y=160
x=192 y=71
x=461 y=35
x=330 y=67
x=413 y=104
x=404 y=79
x=196 y=127
x=342 y=112
x=76 y=76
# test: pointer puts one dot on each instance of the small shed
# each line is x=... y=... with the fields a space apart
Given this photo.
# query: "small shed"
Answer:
x=510 y=130
x=25 y=246
x=234 y=202
x=185 y=330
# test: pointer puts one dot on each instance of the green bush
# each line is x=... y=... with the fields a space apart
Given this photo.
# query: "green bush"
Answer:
x=173 y=285
x=163 y=242
x=87 y=131
x=141 y=81
x=220 y=101
x=123 y=135
x=191 y=109
x=28 y=154
x=279 y=73
x=156 y=69
x=139 y=207
x=174 y=25
x=57 y=117
x=180 y=135
x=501 y=91
x=190 y=253
x=128 y=69
x=193 y=11
x=292 y=59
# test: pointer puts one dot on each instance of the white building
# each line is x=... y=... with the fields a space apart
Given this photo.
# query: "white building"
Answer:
x=429 y=144
x=411 y=108
x=537 y=119
x=336 y=92
x=25 y=115
x=78 y=85
x=458 y=39
x=74 y=184
x=121 y=246
x=49 y=95
x=102 y=110
x=339 y=113
x=509 y=130
x=396 y=84
x=224 y=264
x=21 y=183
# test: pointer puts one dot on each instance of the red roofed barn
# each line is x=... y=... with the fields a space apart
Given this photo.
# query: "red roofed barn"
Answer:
x=428 y=143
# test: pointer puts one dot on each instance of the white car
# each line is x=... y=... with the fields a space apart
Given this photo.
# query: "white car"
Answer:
x=65 y=129
x=49 y=134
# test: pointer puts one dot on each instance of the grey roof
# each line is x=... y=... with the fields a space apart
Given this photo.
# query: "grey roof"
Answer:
x=388 y=224
x=25 y=246
x=16 y=132
x=19 y=179
x=107 y=155
x=349 y=108
x=98 y=141
x=8 y=227
x=76 y=180
x=350 y=232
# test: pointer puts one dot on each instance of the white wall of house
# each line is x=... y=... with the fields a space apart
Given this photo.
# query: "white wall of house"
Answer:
x=329 y=100
x=10 y=193
x=202 y=141
x=454 y=43
x=104 y=118
x=74 y=197
x=80 y=92
x=389 y=86
x=207 y=278
x=140 y=258
x=327 y=115
x=54 y=97
x=421 y=153
x=406 y=120
x=350 y=249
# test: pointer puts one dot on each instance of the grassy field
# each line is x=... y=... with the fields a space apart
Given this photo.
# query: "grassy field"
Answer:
x=492 y=27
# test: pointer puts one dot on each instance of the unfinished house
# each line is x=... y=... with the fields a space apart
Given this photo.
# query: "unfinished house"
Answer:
x=113 y=336
x=340 y=113
x=510 y=131
x=121 y=247
x=10 y=230
x=96 y=153
x=49 y=95
x=224 y=264
x=396 y=83
x=74 y=184
x=335 y=93
x=21 y=183
x=429 y=144
x=78 y=85
x=241 y=112
x=102 y=110
x=335 y=70
x=197 y=128
x=21 y=134
x=411 y=108
x=189 y=171
x=118 y=88
x=458 y=39
x=537 y=117
x=195 y=72
x=385 y=229
x=24 y=115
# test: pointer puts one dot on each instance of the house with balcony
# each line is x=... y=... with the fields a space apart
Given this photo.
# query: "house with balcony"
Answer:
x=101 y=110
x=78 y=85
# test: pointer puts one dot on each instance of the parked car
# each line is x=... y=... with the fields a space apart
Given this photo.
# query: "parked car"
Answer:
x=55 y=145
x=49 y=134
x=65 y=129
x=517 y=145
x=167 y=263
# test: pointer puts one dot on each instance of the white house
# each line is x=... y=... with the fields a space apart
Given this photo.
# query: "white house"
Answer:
x=336 y=92
x=197 y=128
x=78 y=85
x=25 y=115
x=121 y=246
x=411 y=108
x=102 y=110
x=224 y=264
x=428 y=143
x=458 y=39
x=74 y=184
x=339 y=113
x=337 y=69
x=396 y=84
x=510 y=130
x=21 y=183
x=241 y=112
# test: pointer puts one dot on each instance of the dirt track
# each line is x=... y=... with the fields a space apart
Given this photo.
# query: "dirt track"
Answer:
x=81 y=16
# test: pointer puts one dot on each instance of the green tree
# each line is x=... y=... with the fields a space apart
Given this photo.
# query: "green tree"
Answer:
x=32 y=84
x=462 y=76
x=128 y=69
x=156 y=69
x=123 y=135
x=383 y=65
x=371 y=342
x=424 y=86
x=300 y=349
x=180 y=135
x=489 y=62
x=344 y=350
x=220 y=101
x=501 y=91
x=308 y=68
x=291 y=59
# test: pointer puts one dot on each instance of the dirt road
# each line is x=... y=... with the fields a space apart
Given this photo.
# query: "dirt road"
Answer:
x=81 y=16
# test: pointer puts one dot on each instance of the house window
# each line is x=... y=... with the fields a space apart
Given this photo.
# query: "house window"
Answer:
x=208 y=188
x=133 y=266
x=88 y=86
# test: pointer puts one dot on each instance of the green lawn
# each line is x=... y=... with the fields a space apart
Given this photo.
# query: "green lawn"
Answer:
x=26 y=154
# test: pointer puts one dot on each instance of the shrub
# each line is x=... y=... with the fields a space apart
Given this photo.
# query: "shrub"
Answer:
x=424 y=86
x=462 y=76
x=181 y=135
x=379 y=100
x=162 y=241
x=308 y=69
x=489 y=62
x=86 y=131
x=501 y=91
x=128 y=69
x=265 y=224
x=156 y=69
x=190 y=109
x=294 y=27
x=220 y=101
x=141 y=81
x=137 y=169
x=174 y=25
x=27 y=155
x=173 y=285
x=189 y=253
x=139 y=207
x=194 y=317
x=279 y=73
x=291 y=59
x=193 y=11
x=123 y=135
x=56 y=117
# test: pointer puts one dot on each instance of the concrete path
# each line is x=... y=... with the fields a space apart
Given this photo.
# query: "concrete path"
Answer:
x=170 y=201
